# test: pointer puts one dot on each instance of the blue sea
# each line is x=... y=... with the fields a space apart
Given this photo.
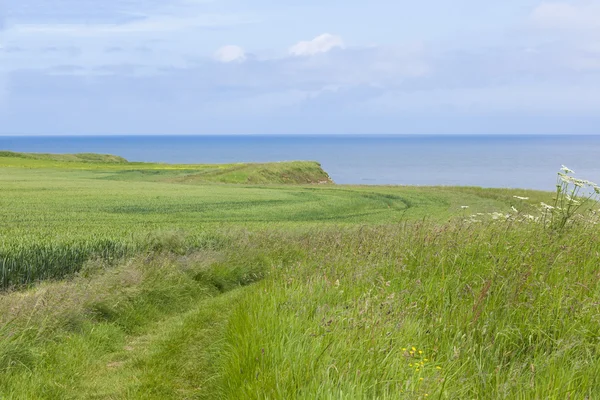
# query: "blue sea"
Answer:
x=489 y=161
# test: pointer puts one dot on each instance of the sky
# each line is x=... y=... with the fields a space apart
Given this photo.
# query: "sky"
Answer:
x=299 y=67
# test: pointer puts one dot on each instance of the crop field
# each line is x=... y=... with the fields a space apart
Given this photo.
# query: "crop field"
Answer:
x=269 y=281
x=56 y=214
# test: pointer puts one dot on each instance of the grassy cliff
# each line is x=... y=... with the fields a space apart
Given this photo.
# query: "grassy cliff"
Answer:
x=118 y=168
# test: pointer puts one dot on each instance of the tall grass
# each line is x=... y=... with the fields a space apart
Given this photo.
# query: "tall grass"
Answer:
x=453 y=311
x=498 y=309
x=26 y=261
x=23 y=263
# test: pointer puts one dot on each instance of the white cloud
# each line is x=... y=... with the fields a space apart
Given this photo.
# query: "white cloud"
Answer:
x=227 y=54
x=320 y=44
x=568 y=16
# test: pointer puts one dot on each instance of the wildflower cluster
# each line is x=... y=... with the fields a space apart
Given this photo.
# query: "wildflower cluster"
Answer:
x=571 y=195
x=565 y=178
x=498 y=216
x=419 y=363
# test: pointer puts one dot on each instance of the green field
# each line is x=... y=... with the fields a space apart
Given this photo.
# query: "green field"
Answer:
x=127 y=280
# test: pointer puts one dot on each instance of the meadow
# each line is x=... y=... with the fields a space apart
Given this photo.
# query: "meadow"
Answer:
x=268 y=281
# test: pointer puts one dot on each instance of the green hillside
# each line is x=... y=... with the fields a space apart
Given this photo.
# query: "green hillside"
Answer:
x=118 y=168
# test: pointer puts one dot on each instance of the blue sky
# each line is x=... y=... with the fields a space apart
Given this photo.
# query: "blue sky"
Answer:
x=299 y=66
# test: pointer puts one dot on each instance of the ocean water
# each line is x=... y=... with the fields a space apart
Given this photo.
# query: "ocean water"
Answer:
x=489 y=161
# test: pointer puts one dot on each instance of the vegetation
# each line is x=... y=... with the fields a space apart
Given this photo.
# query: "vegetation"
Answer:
x=125 y=283
x=80 y=157
x=117 y=168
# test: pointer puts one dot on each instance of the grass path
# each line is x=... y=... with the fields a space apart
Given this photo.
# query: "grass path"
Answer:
x=149 y=328
x=176 y=359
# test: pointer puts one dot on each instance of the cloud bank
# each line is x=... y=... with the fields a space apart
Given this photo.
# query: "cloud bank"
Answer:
x=153 y=68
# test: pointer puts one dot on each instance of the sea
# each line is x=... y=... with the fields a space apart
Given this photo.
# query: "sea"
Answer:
x=515 y=161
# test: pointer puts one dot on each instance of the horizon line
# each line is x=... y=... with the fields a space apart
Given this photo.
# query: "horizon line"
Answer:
x=23 y=135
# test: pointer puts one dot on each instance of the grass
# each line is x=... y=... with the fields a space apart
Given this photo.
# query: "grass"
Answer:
x=117 y=168
x=78 y=214
x=422 y=310
x=152 y=281
x=79 y=158
x=97 y=335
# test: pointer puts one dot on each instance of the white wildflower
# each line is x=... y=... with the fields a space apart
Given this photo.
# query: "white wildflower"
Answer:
x=566 y=178
x=567 y=170
x=574 y=181
x=514 y=209
x=572 y=200
x=464 y=207
x=521 y=198
x=496 y=215
x=546 y=206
